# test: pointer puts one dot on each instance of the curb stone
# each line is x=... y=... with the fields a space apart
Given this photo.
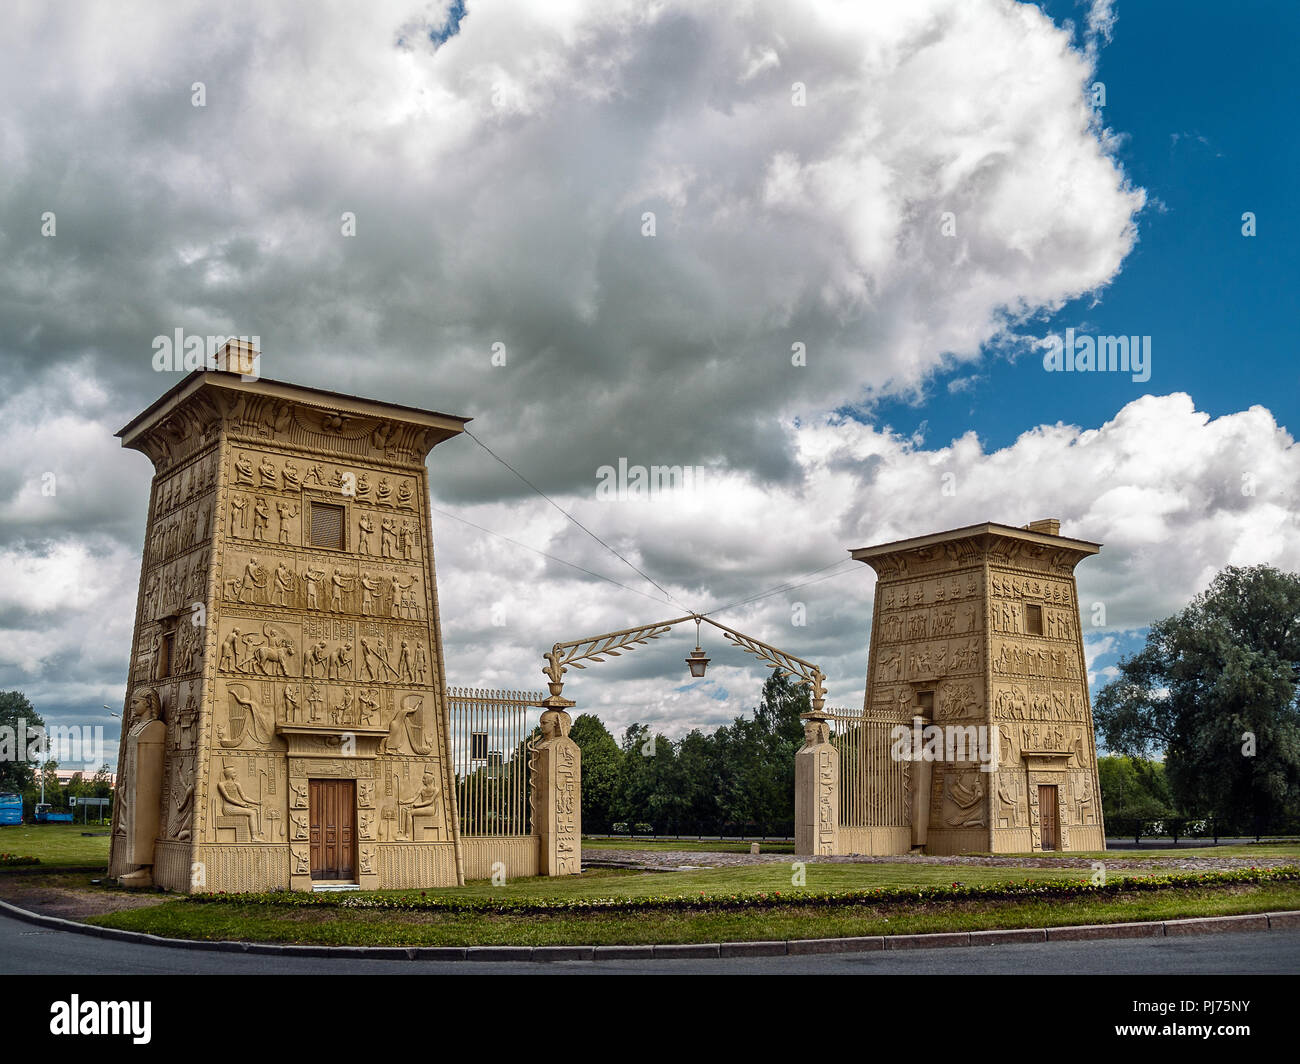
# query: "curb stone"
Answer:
x=1008 y=936
x=623 y=953
x=1205 y=925
x=754 y=949
x=687 y=949
x=563 y=953
x=935 y=941
x=1083 y=932
x=438 y=953
x=498 y=953
x=802 y=946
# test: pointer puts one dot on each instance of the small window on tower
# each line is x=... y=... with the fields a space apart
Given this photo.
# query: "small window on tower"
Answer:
x=1033 y=620
x=925 y=703
x=326 y=526
x=166 y=646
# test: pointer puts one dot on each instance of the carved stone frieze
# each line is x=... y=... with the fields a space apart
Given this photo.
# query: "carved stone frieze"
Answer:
x=292 y=651
x=979 y=627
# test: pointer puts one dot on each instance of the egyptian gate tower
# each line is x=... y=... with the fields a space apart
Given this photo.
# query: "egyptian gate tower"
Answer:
x=287 y=638
x=975 y=628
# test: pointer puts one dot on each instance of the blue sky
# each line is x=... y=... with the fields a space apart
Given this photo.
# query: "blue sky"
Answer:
x=1204 y=103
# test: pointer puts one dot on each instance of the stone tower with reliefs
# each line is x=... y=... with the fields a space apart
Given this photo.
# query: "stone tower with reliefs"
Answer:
x=973 y=628
x=287 y=622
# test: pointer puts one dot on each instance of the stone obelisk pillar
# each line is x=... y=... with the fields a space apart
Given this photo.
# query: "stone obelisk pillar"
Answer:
x=557 y=792
x=816 y=792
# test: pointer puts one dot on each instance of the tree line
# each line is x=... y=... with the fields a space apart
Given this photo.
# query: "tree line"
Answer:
x=1215 y=694
x=737 y=778
x=1202 y=725
x=19 y=775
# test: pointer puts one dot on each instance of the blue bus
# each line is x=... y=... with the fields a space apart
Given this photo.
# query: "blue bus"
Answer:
x=11 y=809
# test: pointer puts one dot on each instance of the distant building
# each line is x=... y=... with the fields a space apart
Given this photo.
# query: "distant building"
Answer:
x=65 y=776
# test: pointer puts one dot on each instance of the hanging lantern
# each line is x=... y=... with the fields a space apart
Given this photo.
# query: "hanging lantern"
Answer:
x=696 y=661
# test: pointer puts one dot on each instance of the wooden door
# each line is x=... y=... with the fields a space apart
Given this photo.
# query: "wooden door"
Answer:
x=1048 y=818
x=333 y=806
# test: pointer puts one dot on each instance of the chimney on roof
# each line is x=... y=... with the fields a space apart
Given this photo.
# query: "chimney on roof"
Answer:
x=1048 y=526
x=240 y=354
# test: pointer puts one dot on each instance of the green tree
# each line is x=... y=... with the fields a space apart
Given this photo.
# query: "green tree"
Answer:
x=1215 y=688
x=102 y=785
x=648 y=776
x=53 y=792
x=1133 y=789
x=601 y=760
x=754 y=756
x=698 y=778
x=16 y=772
x=742 y=774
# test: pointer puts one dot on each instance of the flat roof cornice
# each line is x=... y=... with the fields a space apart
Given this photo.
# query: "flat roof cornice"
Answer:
x=988 y=528
x=449 y=424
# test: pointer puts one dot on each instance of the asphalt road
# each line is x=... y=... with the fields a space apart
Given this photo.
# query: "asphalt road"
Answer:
x=26 y=949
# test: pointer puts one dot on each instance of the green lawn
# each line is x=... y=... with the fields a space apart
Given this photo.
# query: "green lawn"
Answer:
x=58 y=845
x=262 y=923
x=64 y=850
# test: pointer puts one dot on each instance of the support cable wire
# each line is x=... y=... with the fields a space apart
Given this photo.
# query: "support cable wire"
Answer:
x=785 y=587
x=552 y=557
x=717 y=609
x=570 y=517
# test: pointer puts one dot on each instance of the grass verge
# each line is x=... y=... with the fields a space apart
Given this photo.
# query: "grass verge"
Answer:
x=324 y=926
x=58 y=844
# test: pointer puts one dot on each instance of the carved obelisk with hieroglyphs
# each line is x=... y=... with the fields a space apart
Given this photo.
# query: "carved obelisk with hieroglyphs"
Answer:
x=976 y=634
x=287 y=621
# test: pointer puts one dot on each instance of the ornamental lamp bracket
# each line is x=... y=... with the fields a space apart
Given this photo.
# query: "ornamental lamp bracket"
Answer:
x=614 y=644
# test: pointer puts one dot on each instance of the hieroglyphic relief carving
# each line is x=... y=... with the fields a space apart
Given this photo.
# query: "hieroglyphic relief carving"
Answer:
x=1004 y=622
x=1083 y=797
x=965 y=793
x=956 y=701
x=237 y=470
x=1027 y=702
x=1024 y=658
x=826 y=805
x=420 y=813
x=407 y=728
x=180 y=798
x=1011 y=812
x=237 y=810
x=567 y=843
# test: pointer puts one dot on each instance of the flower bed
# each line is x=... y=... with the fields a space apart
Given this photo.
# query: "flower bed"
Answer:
x=13 y=860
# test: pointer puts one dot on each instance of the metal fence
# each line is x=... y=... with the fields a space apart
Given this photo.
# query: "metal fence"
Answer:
x=493 y=734
x=685 y=829
x=873 y=787
x=1199 y=829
